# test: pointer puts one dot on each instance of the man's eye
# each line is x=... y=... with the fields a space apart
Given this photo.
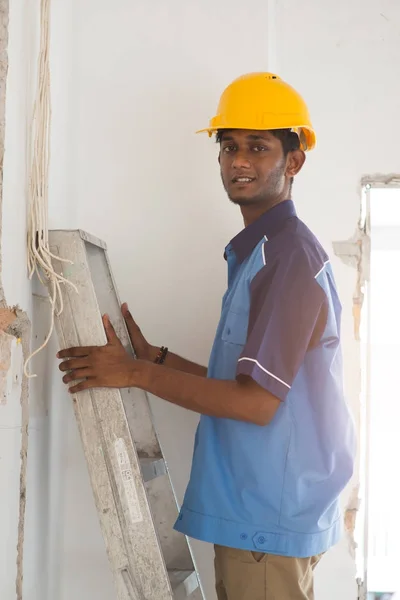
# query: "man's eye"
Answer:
x=260 y=148
x=228 y=149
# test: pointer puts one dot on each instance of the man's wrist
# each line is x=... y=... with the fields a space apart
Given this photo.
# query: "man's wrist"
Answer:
x=153 y=353
x=140 y=373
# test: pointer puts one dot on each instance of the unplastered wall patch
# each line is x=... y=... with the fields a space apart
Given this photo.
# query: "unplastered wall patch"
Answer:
x=7 y=316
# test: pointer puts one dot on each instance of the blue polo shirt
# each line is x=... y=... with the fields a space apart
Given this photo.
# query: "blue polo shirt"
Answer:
x=275 y=488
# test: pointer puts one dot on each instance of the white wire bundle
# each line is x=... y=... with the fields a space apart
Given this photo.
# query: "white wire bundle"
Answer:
x=39 y=255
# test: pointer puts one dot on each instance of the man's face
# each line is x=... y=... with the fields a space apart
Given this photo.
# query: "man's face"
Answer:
x=253 y=167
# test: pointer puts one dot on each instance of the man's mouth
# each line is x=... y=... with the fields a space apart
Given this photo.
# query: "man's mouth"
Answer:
x=242 y=180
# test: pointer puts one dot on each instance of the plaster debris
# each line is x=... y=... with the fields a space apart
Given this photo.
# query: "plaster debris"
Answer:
x=350 y=517
x=391 y=179
x=355 y=253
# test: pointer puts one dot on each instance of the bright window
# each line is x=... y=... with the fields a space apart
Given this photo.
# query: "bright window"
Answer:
x=383 y=508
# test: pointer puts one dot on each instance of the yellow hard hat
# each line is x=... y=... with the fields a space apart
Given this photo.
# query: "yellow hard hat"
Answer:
x=263 y=101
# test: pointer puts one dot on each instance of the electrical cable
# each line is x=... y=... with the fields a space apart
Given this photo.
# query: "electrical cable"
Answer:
x=39 y=255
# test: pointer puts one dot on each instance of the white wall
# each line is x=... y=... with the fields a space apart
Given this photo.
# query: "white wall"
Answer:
x=131 y=83
x=142 y=80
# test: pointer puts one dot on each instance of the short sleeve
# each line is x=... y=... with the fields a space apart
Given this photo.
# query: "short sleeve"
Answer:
x=288 y=312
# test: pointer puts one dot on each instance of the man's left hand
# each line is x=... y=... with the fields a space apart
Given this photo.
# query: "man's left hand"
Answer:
x=98 y=366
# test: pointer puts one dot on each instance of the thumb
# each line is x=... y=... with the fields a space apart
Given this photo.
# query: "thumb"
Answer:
x=112 y=337
x=133 y=328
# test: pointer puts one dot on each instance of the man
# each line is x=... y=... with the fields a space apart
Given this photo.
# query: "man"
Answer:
x=275 y=443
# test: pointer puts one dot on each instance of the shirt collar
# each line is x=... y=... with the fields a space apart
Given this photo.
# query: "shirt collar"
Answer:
x=266 y=226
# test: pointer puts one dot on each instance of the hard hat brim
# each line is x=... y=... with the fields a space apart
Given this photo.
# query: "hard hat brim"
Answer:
x=310 y=137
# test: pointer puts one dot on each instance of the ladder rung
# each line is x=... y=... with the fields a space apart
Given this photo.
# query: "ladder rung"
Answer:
x=152 y=468
x=183 y=583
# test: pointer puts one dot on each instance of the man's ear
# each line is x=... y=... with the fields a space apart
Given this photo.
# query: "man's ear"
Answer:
x=295 y=162
x=219 y=157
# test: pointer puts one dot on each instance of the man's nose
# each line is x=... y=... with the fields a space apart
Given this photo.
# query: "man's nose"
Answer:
x=241 y=160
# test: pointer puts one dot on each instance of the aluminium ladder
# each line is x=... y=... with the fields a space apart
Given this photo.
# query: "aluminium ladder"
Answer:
x=133 y=493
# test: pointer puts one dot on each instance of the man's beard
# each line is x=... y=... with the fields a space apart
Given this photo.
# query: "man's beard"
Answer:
x=265 y=195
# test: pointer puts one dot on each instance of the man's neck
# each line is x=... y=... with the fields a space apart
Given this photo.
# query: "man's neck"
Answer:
x=252 y=213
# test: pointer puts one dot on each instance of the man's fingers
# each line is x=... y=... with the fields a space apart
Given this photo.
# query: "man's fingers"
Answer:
x=77 y=374
x=130 y=322
x=75 y=363
x=72 y=352
x=127 y=316
x=112 y=337
x=84 y=385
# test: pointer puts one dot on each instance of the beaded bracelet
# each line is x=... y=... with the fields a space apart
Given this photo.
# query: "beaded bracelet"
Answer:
x=161 y=356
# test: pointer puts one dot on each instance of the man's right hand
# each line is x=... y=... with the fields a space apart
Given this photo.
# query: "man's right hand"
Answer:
x=143 y=350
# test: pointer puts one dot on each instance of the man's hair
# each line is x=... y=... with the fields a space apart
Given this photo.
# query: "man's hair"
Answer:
x=289 y=139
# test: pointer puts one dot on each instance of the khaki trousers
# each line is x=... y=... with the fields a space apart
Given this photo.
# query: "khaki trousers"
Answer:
x=243 y=575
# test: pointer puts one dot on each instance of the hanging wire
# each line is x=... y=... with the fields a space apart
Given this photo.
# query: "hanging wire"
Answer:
x=39 y=255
